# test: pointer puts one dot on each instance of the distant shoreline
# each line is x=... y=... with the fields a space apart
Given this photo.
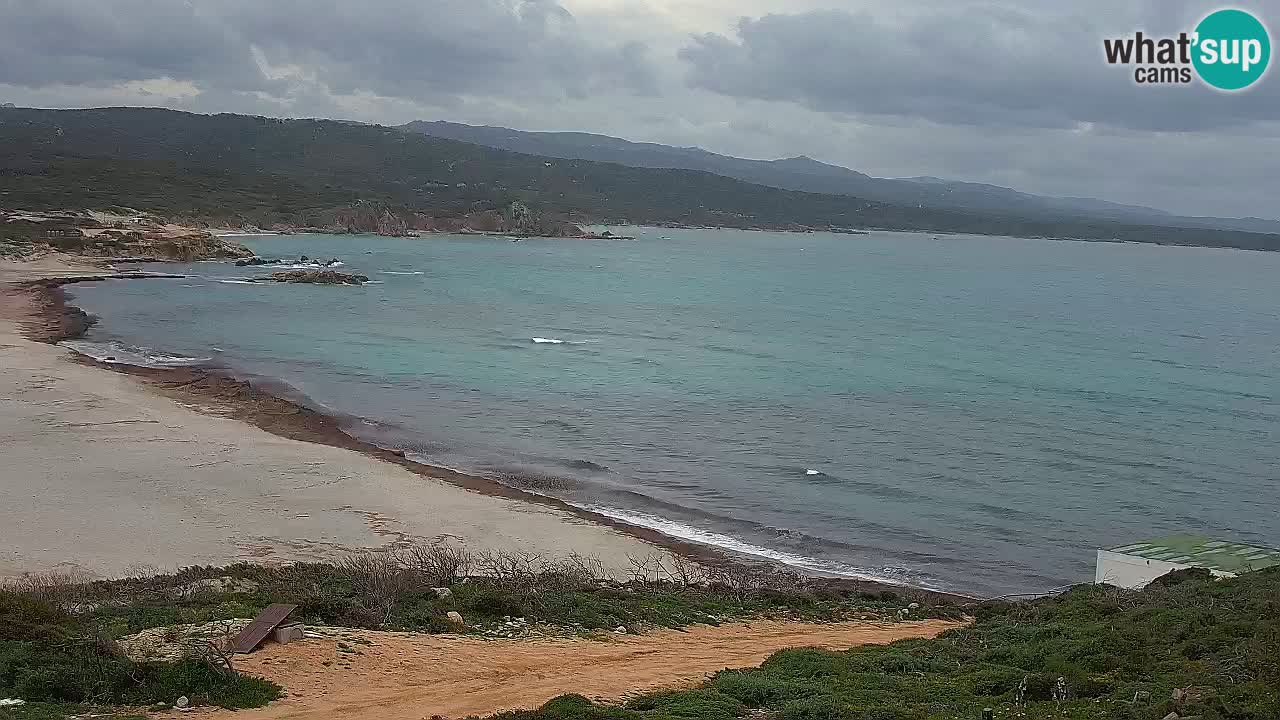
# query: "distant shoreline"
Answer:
x=220 y=232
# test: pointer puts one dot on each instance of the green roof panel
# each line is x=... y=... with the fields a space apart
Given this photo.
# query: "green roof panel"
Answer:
x=1203 y=552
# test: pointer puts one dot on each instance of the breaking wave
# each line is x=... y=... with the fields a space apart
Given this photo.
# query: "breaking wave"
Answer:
x=117 y=353
x=558 y=341
x=681 y=531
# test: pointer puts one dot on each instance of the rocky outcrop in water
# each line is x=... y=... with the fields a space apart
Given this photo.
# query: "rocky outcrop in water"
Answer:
x=257 y=261
x=317 y=277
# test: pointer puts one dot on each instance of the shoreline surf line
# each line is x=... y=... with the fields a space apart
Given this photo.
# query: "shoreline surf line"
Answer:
x=218 y=390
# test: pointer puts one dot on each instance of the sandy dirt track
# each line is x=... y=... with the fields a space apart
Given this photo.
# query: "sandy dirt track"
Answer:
x=412 y=677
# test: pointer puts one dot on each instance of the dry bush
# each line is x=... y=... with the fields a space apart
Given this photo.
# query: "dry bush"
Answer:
x=645 y=570
x=509 y=568
x=683 y=571
x=441 y=564
x=217 y=654
x=380 y=579
x=742 y=581
x=69 y=591
x=572 y=572
x=141 y=571
x=668 y=568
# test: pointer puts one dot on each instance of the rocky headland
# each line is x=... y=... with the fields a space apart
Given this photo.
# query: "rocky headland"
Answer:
x=138 y=237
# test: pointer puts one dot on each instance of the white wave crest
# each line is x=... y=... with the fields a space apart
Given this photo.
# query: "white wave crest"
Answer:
x=727 y=542
x=117 y=353
x=558 y=341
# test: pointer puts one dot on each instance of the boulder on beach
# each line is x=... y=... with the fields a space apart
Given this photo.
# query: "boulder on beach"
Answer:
x=319 y=277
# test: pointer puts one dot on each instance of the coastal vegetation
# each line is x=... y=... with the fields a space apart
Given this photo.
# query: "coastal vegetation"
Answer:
x=234 y=169
x=54 y=653
x=1189 y=646
x=64 y=640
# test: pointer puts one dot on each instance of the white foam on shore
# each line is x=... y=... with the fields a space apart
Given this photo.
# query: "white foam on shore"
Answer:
x=117 y=353
x=681 y=531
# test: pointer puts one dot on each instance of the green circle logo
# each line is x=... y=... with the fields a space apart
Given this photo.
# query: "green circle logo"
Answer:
x=1232 y=49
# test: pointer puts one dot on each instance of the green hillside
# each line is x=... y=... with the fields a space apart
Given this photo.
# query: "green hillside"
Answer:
x=269 y=170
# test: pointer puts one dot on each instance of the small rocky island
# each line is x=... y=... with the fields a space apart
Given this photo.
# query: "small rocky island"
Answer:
x=316 y=277
x=256 y=261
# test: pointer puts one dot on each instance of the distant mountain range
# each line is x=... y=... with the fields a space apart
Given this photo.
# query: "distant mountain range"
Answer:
x=241 y=170
x=808 y=175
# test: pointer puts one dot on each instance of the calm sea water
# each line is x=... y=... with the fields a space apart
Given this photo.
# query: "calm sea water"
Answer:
x=970 y=413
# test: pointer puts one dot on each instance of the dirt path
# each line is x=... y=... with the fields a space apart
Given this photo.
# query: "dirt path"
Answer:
x=412 y=677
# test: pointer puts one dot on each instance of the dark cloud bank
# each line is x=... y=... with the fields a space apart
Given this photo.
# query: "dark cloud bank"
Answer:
x=1005 y=91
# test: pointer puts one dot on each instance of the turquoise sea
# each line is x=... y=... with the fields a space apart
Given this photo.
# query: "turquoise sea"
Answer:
x=969 y=413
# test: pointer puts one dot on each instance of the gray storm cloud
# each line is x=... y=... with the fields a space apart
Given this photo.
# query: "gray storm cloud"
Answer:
x=1005 y=67
x=1013 y=92
x=397 y=48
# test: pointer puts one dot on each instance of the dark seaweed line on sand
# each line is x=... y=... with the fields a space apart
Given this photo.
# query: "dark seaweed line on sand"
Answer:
x=56 y=320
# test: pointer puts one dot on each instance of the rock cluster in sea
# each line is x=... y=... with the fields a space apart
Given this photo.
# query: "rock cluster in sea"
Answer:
x=318 y=277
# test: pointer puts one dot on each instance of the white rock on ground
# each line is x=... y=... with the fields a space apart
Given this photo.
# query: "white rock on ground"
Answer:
x=179 y=641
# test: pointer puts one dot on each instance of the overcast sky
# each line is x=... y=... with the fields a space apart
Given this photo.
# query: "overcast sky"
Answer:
x=1011 y=92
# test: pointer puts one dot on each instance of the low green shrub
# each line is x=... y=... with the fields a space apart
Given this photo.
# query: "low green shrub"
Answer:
x=1092 y=653
x=48 y=655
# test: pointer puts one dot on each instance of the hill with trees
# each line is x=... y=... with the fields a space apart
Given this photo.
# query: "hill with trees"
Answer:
x=809 y=175
x=235 y=168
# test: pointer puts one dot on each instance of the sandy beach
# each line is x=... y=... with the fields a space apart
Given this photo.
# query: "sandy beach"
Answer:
x=103 y=474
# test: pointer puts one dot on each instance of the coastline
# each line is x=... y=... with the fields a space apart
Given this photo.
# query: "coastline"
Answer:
x=217 y=393
x=104 y=475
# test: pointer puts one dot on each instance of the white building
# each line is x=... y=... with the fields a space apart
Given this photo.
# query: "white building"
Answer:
x=1135 y=565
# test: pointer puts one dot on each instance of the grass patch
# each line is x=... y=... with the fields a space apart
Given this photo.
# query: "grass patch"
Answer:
x=1189 y=645
x=58 y=634
x=54 y=658
x=403 y=591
